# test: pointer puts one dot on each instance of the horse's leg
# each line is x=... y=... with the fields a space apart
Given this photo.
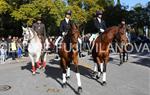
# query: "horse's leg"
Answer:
x=63 y=66
x=127 y=57
x=44 y=60
x=75 y=61
x=38 y=60
x=95 y=68
x=33 y=64
x=104 y=72
x=124 y=54
x=99 y=67
x=68 y=70
x=121 y=59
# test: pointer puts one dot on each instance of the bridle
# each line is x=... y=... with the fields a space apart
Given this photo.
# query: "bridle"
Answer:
x=29 y=37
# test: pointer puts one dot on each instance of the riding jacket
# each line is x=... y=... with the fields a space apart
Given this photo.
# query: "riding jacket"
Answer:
x=99 y=25
x=65 y=26
x=40 y=29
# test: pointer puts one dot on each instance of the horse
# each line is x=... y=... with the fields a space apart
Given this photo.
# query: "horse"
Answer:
x=100 y=51
x=71 y=55
x=37 y=56
x=123 y=53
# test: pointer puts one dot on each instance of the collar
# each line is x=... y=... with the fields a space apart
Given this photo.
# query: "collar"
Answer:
x=99 y=20
x=67 y=20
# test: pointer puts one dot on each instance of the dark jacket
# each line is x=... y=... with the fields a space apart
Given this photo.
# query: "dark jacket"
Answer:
x=65 y=27
x=39 y=28
x=98 y=26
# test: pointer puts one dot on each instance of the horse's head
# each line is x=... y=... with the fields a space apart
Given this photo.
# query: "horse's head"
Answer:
x=74 y=34
x=27 y=35
x=121 y=36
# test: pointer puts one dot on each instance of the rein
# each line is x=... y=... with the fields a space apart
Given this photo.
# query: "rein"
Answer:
x=30 y=34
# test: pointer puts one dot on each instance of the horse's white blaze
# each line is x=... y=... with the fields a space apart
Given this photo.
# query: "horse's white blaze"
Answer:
x=101 y=66
x=68 y=72
x=78 y=79
x=104 y=76
x=64 y=77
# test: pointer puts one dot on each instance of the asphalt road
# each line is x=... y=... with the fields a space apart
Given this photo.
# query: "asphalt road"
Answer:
x=131 y=78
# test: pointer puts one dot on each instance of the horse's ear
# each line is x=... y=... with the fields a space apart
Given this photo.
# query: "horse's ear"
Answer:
x=77 y=26
x=23 y=28
x=73 y=26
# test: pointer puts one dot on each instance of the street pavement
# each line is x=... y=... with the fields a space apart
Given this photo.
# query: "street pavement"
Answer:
x=131 y=78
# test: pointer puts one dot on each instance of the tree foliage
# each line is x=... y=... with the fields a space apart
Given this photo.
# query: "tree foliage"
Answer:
x=4 y=6
x=83 y=11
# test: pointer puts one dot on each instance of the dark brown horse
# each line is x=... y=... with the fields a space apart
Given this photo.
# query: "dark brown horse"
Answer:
x=123 y=52
x=70 y=54
x=100 y=51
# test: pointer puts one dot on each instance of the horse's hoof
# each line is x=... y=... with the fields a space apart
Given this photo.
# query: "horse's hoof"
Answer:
x=68 y=77
x=104 y=83
x=94 y=73
x=89 y=53
x=97 y=77
x=42 y=68
x=33 y=73
x=79 y=90
x=64 y=85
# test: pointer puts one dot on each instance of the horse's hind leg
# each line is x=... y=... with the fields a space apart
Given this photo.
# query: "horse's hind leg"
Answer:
x=44 y=60
x=33 y=64
x=121 y=58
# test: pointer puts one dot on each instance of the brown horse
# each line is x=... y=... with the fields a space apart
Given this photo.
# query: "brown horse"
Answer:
x=100 y=51
x=67 y=55
x=123 y=52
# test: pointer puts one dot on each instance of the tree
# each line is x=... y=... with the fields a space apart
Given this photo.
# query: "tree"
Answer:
x=4 y=6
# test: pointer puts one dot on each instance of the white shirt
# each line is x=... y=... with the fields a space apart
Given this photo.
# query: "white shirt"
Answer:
x=67 y=20
x=99 y=20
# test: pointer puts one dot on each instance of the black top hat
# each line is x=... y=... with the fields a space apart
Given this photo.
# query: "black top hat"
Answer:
x=99 y=13
x=69 y=12
x=39 y=18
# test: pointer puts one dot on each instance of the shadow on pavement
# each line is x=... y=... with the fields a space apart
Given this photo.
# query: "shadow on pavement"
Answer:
x=143 y=62
x=27 y=67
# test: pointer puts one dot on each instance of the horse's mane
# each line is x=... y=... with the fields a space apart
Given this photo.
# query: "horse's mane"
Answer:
x=110 y=28
x=33 y=31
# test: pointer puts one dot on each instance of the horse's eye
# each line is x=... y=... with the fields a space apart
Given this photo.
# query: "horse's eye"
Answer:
x=23 y=33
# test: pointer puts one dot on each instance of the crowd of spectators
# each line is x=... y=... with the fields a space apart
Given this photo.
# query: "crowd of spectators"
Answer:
x=11 y=47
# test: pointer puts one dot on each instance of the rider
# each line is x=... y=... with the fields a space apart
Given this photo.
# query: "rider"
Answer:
x=65 y=27
x=99 y=26
x=39 y=27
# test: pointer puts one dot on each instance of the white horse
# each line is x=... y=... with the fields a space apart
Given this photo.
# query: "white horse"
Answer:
x=37 y=56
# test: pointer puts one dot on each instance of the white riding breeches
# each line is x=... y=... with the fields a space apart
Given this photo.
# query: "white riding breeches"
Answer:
x=80 y=41
x=93 y=37
x=57 y=40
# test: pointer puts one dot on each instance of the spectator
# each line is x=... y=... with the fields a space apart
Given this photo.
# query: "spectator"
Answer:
x=19 y=48
x=14 y=48
x=4 y=44
x=9 y=40
x=2 y=54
